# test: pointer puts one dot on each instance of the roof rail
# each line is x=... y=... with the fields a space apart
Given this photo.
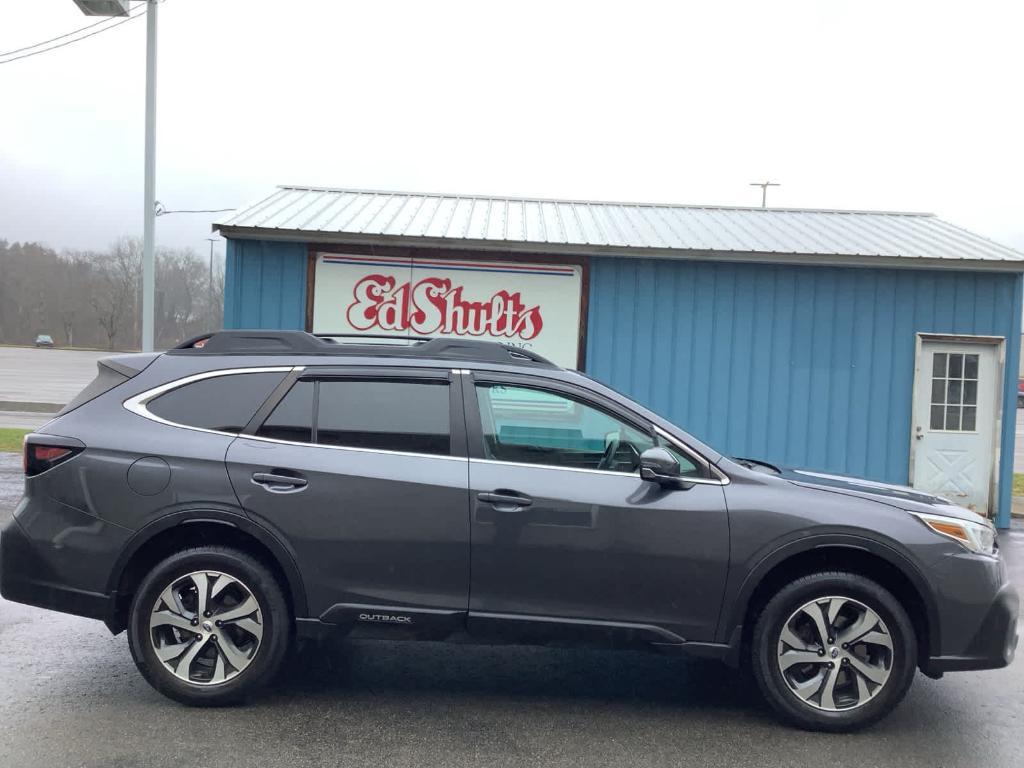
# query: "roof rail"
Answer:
x=259 y=342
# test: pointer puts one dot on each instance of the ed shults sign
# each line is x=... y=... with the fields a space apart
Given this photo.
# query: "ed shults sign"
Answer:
x=536 y=306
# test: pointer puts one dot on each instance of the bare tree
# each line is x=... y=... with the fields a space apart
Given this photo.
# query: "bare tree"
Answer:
x=115 y=296
x=93 y=298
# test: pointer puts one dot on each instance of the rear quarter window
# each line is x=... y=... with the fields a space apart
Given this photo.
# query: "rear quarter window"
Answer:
x=224 y=403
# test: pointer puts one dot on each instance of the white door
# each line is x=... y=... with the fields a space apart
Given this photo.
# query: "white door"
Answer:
x=955 y=416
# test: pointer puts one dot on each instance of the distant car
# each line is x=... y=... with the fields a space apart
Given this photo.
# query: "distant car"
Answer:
x=44 y=340
x=1020 y=393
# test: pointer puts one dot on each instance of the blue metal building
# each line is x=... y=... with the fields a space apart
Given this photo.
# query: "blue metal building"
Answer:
x=883 y=345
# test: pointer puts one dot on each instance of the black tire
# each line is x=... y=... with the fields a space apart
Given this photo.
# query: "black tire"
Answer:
x=276 y=625
x=765 y=651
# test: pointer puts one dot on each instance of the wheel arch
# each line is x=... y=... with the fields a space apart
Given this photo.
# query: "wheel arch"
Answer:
x=189 y=528
x=866 y=557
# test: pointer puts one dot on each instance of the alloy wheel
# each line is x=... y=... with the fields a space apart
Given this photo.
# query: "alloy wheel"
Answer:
x=206 y=627
x=835 y=653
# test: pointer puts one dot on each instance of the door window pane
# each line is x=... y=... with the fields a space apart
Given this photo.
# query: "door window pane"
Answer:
x=405 y=416
x=956 y=366
x=954 y=391
x=223 y=403
x=292 y=419
x=971 y=367
x=532 y=426
x=952 y=417
x=968 y=423
x=970 y=393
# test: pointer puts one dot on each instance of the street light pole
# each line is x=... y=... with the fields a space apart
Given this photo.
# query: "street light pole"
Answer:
x=149 y=184
x=120 y=8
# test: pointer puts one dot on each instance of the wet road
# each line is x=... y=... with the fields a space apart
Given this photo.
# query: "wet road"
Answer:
x=70 y=696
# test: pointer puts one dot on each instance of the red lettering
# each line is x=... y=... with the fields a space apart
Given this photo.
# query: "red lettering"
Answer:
x=434 y=305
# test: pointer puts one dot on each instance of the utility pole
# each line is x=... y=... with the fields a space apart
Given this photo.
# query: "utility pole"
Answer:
x=209 y=288
x=764 y=190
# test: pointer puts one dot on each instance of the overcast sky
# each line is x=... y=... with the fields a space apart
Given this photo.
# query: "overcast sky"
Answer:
x=868 y=105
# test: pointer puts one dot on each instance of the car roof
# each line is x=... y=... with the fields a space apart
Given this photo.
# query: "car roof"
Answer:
x=294 y=344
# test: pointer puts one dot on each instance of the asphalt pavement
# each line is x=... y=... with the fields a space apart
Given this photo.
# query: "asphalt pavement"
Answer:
x=70 y=696
x=45 y=376
x=35 y=383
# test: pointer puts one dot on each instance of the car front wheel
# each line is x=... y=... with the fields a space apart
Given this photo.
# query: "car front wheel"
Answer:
x=209 y=626
x=834 y=651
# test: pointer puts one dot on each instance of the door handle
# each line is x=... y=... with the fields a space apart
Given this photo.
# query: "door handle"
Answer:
x=274 y=482
x=505 y=501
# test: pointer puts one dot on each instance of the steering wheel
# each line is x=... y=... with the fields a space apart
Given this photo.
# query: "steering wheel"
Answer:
x=609 y=453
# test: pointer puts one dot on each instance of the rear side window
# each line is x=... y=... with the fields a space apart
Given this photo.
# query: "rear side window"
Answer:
x=384 y=415
x=292 y=419
x=224 y=403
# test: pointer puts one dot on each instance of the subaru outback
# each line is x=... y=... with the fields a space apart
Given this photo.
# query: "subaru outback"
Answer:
x=248 y=489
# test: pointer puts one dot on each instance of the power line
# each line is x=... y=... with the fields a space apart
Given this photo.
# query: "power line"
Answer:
x=106 y=20
x=69 y=42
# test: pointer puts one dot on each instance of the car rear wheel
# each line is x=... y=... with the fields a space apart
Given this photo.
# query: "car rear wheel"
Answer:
x=834 y=651
x=209 y=626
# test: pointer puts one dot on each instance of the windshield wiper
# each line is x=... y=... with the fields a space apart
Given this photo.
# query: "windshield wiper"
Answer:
x=755 y=463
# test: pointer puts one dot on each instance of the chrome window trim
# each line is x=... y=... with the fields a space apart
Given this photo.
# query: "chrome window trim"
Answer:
x=354 y=449
x=635 y=475
x=137 y=405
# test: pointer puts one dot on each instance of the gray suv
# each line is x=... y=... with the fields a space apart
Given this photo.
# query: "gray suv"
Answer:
x=250 y=488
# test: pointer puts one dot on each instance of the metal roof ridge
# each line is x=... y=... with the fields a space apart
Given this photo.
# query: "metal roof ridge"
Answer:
x=688 y=206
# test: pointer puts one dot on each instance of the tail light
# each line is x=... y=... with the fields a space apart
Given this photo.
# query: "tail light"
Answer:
x=40 y=455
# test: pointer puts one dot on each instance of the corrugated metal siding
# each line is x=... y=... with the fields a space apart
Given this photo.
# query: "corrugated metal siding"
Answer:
x=627 y=226
x=806 y=366
x=265 y=285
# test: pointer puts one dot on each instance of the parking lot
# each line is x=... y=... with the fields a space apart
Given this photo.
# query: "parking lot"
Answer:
x=71 y=697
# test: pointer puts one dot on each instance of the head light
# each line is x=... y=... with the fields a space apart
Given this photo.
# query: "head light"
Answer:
x=977 y=537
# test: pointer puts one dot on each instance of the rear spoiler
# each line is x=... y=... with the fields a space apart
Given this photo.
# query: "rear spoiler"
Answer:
x=111 y=371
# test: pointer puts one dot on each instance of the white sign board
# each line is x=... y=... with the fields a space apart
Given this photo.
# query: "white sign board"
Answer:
x=536 y=306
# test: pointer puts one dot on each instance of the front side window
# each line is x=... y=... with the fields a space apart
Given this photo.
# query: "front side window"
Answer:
x=533 y=426
x=223 y=403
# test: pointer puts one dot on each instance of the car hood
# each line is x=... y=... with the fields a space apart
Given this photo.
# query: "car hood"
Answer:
x=900 y=496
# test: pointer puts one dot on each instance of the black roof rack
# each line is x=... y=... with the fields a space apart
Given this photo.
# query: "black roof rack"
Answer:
x=302 y=343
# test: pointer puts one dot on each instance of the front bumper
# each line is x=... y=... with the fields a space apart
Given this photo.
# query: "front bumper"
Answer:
x=994 y=643
x=26 y=577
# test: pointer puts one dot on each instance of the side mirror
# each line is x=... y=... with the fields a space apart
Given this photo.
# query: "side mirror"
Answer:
x=659 y=466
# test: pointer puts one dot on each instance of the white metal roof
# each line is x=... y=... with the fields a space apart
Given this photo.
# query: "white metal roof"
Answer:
x=318 y=214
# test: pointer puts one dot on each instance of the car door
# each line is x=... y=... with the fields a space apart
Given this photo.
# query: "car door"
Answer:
x=566 y=536
x=363 y=473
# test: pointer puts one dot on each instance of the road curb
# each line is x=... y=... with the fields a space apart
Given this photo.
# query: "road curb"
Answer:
x=17 y=405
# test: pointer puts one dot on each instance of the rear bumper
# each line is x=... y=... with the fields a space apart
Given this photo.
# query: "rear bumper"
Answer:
x=994 y=643
x=24 y=579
